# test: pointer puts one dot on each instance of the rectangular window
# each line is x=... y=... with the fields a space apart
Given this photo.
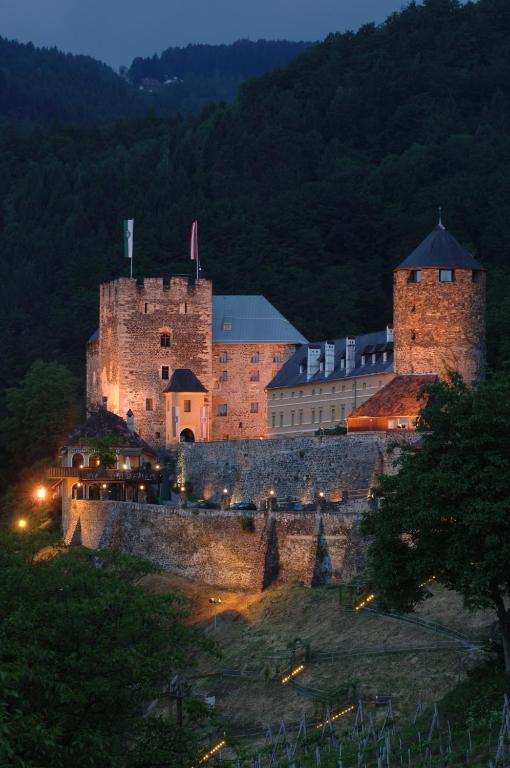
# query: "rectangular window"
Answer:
x=333 y=413
x=446 y=275
x=255 y=376
x=158 y=435
x=300 y=417
x=313 y=415
x=165 y=339
x=363 y=359
x=227 y=326
x=255 y=357
x=320 y=415
x=224 y=376
x=254 y=408
x=273 y=419
x=224 y=357
x=281 y=419
x=165 y=372
x=222 y=409
x=146 y=308
x=415 y=276
x=342 y=412
x=187 y=406
x=333 y=389
x=148 y=404
x=278 y=359
x=292 y=418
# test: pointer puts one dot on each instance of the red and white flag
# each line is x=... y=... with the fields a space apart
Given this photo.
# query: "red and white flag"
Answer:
x=194 y=241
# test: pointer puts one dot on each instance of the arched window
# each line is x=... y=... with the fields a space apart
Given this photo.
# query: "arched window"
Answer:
x=78 y=460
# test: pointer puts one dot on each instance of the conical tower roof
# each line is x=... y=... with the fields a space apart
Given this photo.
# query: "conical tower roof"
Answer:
x=440 y=249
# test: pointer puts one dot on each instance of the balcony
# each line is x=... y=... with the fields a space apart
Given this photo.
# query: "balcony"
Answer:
x=103 y=474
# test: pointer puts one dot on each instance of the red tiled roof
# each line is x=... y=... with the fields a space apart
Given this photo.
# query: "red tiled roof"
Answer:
x=398 y=398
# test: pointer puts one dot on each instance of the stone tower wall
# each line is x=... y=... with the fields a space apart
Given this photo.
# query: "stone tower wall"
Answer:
x=132 y=318
x=238 y=391
x=440 y=326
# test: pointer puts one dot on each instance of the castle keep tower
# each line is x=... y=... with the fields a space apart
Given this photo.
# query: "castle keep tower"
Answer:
x=439 y=310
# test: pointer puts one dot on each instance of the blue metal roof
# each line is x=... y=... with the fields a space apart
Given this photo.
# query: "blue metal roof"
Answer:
x=250 y=319
x=289 y=375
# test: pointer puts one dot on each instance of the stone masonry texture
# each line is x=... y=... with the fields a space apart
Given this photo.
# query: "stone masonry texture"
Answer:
x=212 y=547
x=440 y=326
x=240 y=382
x=299 y=467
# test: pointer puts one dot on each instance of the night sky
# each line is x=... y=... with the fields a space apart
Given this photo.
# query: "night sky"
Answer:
x=116 y=31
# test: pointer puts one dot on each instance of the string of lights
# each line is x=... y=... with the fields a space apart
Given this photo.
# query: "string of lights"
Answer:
x=212 y=752
x=366 y=601
x=294 y=673
x=338 y=715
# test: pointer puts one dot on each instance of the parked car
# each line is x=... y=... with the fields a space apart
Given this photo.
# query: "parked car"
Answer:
x=245 y=506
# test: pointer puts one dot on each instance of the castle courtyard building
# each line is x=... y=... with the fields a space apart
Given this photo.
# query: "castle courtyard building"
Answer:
x=188 y=365
x=322 y=383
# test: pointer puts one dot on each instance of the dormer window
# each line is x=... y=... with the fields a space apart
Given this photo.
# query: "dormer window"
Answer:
x=374 y=358
x=227 y=326
x=385 y=357
x=415 y=276
x=446 y=276
x=321 y=366
x=342 y=362
x=301 y=368
x=363 y=359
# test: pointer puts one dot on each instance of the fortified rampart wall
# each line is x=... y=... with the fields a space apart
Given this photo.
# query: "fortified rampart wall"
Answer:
x=215 y=547
x=298 y=467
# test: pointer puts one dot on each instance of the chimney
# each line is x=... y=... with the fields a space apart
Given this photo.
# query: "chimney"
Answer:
x=329 y=358
x=313 y=362
x=389 y=334
x=130 y=420
x=350 y=355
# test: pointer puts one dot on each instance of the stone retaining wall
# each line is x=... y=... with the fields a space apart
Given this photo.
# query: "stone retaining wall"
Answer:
x=298 y=467
x=212 y=546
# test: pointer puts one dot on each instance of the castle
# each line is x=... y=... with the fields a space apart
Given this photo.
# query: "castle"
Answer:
x=372 y=381
x=184 y=365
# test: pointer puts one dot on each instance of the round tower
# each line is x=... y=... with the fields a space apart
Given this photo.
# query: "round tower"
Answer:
x=439 y=310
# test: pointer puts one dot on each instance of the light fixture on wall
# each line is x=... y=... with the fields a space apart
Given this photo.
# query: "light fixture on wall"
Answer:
x=142 y=487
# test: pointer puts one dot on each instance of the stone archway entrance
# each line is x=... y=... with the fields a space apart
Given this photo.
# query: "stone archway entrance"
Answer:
x=187 y=436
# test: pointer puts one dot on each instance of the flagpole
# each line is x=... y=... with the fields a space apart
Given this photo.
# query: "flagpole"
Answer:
x=198 y=258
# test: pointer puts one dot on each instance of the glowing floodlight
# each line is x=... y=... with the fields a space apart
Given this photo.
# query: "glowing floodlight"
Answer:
x=41 y=493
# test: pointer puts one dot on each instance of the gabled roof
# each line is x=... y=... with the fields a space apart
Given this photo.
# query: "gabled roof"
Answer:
x=184 y=380
x=250 y=319
x=289 y=374
x=398 y=398
x=440 y=249
x=103 y=423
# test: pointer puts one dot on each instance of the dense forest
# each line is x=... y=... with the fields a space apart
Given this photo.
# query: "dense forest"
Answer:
x=187 y=79
x=310 y=188
x=45 y=86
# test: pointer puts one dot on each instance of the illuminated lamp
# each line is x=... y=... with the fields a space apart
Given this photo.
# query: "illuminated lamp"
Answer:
x=142 y=487
x=321 y=494
x=104 y=486
x=225 y=490
x=22 y=523
x=41 y=493
x=124 y=466
x=158 y=466
x=271 y=492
